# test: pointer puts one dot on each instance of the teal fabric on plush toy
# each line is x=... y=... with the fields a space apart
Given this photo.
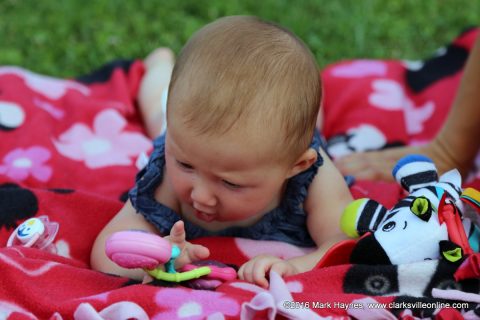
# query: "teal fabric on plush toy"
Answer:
x=413 y=230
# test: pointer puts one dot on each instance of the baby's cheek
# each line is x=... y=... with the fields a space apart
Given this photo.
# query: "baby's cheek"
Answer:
x=180 y=184
x=181 y=189
x=245 y=207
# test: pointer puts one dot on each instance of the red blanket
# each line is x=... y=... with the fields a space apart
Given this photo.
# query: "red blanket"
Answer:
x=70 y=150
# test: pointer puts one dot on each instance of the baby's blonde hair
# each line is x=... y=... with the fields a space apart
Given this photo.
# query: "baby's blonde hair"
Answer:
x=242 y=72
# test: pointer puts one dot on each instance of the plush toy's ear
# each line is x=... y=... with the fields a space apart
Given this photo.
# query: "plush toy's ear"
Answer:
x=453 y=176
x=361 y=216
x=415 y=171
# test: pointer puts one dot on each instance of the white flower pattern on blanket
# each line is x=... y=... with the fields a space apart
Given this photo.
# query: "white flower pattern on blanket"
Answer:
x=50 y=87
x=106 y=145
x=389 y=95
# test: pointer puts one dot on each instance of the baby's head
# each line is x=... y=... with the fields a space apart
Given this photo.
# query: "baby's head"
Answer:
x=242 y=107
x=243 y=76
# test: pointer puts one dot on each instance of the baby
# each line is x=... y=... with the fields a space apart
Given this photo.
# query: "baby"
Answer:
x=241 y=155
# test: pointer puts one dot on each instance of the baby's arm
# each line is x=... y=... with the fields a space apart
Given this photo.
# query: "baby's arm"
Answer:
x=126 y=219
x=327 y=196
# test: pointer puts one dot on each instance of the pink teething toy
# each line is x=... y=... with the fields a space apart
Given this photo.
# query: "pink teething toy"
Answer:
x=137 y=249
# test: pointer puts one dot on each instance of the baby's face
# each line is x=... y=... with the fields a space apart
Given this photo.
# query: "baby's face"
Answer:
x=222 y=181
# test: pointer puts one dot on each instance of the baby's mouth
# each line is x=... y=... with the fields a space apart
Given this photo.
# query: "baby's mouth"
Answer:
x=207 y=217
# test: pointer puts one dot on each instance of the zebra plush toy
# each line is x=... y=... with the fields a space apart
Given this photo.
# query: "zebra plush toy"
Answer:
x=429 y=223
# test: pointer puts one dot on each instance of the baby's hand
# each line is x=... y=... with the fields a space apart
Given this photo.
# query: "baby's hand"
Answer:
x=256 y=269
x=190 y=252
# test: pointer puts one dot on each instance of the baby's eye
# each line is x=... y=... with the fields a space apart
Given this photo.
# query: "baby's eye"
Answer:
x=231 y=185
x=184 y=165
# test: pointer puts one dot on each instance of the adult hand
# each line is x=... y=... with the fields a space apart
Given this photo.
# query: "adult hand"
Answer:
x=373 y=165
x=378 y=165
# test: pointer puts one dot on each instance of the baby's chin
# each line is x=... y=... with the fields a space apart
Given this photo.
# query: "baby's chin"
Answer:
x=226 y=221
x=239 y=220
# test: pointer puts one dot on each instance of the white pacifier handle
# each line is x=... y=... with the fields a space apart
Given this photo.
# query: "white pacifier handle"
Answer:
x=27 y=233
x=34 y=231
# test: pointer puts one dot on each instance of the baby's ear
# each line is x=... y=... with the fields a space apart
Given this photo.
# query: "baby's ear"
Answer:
x=303 y=162
x=361 y=216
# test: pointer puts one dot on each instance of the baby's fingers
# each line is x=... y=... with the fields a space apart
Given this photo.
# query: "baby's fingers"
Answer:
x=254 y=271
x=177 y=233
x=192 y=253
x=197 y=252
x=259 y=272
x=244 y=270
x=283 y=268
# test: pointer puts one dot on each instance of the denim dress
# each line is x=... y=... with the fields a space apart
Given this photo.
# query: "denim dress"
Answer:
x=286 y=223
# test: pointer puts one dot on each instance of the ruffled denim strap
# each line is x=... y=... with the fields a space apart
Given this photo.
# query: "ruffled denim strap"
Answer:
x=147 y=181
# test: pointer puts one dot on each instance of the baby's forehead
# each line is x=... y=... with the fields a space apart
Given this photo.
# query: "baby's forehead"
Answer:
x=256 y=146
x=226 y=112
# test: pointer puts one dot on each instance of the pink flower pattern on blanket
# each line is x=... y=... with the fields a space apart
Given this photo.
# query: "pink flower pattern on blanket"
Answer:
x=360 y=69
x=193 y=305
x=21 y=163
x=106 y=145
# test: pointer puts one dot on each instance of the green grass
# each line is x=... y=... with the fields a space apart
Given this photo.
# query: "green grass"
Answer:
x=70 y=37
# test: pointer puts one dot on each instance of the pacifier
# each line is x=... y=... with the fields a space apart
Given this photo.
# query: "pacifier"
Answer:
x=36 y=232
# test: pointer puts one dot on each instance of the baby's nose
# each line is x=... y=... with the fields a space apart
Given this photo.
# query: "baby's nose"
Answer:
x=203 y=196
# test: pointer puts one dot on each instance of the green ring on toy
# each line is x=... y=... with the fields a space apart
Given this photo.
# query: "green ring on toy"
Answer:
x=179 y=276
x=171 y=275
